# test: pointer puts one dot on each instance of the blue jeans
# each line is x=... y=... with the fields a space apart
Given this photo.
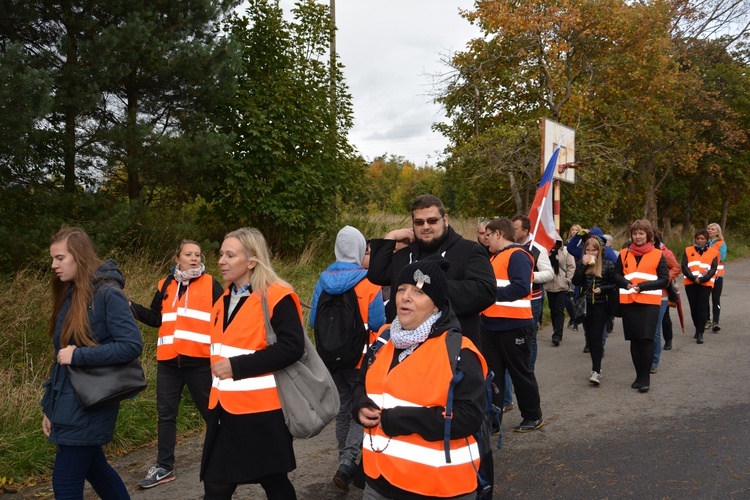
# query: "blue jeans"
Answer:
x=536 y=313
x=74 y=465
x=657 y=336
x=508 y=392
x=348 y=431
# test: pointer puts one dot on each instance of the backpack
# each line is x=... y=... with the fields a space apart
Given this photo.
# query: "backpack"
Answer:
x=483 y=436
x=340 y=333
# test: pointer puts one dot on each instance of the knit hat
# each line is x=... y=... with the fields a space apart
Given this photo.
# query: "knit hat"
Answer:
x=350 y=245
x=429 y=276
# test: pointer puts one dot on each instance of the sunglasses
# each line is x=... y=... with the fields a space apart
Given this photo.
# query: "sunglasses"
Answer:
x=431 y=221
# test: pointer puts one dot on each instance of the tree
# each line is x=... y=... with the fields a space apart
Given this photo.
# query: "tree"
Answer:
x=291 y=163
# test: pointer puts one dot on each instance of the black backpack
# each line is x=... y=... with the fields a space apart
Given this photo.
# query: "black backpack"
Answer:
x=483 y=436
x=340 y=333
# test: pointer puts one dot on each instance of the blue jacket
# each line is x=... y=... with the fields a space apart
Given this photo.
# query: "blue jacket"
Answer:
x=575 y=246
x=340 y=277
x=119 y=339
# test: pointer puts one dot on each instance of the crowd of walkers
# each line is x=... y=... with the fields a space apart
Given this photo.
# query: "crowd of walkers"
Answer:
x=450 y=328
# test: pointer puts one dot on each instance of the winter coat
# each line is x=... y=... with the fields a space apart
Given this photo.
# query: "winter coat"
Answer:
x=471 y=280
x=588 y=282
x=119 y=339
x=564 y=276
x=575 y=245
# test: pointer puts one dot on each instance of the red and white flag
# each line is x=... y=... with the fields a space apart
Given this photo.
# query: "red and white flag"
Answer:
x=540 y=214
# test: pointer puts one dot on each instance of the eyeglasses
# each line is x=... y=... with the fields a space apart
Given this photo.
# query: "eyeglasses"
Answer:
x=495 y=233
x=431 y=221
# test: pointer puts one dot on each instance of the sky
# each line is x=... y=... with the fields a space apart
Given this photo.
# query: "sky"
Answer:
x=390 y=49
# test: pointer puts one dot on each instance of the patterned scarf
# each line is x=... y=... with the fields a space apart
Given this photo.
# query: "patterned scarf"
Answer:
x=410 y=339
x=192 y=273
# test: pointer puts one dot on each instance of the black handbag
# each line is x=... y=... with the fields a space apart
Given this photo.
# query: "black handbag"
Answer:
x=98 y=386
x=579 y=307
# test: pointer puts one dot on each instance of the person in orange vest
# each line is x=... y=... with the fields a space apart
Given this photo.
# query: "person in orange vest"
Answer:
x=507 y=325
x=247 y=440
x=699 y=265
x=348 y=272
x=641 y=272
x=181 y=310
x=716 y=241
x=401 y=397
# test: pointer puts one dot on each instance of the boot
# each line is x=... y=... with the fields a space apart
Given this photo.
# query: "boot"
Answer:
x=699 y=336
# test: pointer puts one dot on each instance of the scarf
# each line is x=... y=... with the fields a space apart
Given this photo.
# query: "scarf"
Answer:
x=408 y=340
x=553 y=260
x=186 y=276
x=640 y=251
x=702 y=249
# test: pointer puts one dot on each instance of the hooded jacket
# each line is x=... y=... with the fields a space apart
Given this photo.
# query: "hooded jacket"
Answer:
x=119 y=339
x=471 y=280
x=575 y=245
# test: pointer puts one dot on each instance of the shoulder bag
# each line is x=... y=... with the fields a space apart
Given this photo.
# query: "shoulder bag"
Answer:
x=309 y=397
x=98 y=386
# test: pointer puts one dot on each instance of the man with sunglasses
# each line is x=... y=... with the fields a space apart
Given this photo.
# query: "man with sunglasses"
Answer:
x=471 y=280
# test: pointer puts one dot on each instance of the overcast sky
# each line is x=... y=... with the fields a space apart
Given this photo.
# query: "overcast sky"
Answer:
x=389 y=49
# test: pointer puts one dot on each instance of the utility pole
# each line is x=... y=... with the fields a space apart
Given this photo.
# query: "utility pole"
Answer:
x=333 y=52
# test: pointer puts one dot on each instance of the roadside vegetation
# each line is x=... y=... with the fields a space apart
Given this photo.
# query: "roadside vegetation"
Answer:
x=25 y=455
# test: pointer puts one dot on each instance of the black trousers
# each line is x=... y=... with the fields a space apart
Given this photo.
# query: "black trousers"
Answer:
x=171 y=379
x=698 y=297
x=666 y=326
x=511 y=350
x=556 y=301
x=716 y=299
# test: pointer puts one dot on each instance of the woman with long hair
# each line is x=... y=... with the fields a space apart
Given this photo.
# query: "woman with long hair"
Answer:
x=181 y=310
x=716 y=241
x=596 y=278
x=91 y=325
x=641 y=272
x=247 y=440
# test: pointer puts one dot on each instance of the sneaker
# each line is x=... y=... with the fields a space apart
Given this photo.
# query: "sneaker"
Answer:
x=709 y=324
x=715 y=328
x=529 y=425
x=156 y=476
x=586 y=349
x=508 y=408
x=555 y=341
x=653 y=369
x=341 y=480
x=595 y=378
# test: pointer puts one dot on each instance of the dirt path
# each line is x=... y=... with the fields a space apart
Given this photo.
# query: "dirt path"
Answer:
x=687 y=436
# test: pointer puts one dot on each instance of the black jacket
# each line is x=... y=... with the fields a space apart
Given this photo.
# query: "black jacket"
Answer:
x=471 y=280
x=468 y=406
x=588 y=282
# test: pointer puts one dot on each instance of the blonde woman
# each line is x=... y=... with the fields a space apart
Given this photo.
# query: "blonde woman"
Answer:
x=247 y=440
x=716 y=241
x=596 y=278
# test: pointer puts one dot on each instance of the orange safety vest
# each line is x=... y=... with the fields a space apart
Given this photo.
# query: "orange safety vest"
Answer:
x=716 y=245
x=517 y=309
x=701 y=264
x=640 y=272
x=410 y=462
x=245 y=335
x=366 y=291
x=186 y=321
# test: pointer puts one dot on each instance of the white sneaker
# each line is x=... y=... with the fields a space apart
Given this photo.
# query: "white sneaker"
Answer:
x=596 y=378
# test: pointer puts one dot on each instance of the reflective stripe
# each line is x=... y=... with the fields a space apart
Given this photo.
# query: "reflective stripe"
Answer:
x=515 y=303
x=195 y=337
x=226 y=351
x=389 y=401
x=365 y=348
x=721 y=267
x=501 y=283
x=194 y=314
x=624 y=291
x=420 y=454
x=167 y=317
x=245 y=384
x=168 y=339
x=641 y=275
x=702 y=265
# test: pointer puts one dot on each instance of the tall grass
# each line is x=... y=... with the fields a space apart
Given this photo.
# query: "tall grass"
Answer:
x=26 y=350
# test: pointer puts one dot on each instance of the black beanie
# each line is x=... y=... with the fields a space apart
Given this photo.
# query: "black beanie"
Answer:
x=429 y=276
